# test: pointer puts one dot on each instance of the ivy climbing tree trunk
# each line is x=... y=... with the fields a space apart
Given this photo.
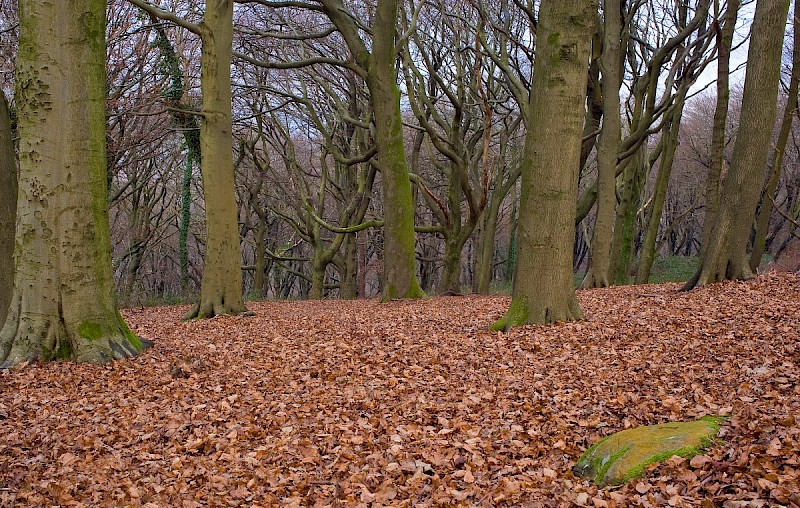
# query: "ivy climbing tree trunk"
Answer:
x=543 y=289
x=726 y=254
x=8 y=207
x=63 y=303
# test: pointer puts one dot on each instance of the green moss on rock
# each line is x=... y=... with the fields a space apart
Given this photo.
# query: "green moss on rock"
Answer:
x=619 y=457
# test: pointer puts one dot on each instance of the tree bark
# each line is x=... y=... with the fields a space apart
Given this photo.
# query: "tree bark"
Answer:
x=399 y=263
x=610 y=58
x=726 y=254
x=765 y=211
x=221 y=286
x=670 y=131
x=63 y=303
x=8 y=207
x=714 y=175
x=543 y=289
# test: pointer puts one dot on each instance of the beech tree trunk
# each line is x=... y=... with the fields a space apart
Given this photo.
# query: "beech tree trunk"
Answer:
x=543 y=289
x=726 y=254
x=607 y=148
x=765 y=211
x=714 y=175
x=670 y=133
x=399 y=261
x=8 y=207
x=63 y=303
x=221 y=286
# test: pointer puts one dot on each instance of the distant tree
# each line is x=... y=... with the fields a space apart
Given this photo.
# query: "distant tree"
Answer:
x=725 y=257
x=8 y=207
x=63 y=302
x=543 y=290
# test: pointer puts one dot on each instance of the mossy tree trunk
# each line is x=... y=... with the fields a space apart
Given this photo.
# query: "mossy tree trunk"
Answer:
x=607 y=148
x=726 y=254
x=543 y=290
x=399 y=261
x=378 y=68
x=63 y=303
x=765 y=210
x=8 y=207
x=221 y=286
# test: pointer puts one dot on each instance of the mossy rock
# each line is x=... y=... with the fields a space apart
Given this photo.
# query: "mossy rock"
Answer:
x=617 y=458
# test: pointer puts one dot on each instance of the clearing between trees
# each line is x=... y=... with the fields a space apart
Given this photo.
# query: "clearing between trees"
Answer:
x=347 y=403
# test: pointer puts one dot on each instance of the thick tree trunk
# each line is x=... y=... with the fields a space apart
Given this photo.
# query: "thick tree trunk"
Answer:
x=765 y=211
x=63 y=303
x=221 y=287
x=607 y=149
x=8 y=207
x=726 y=254
x=543 y=288
x=399 y=262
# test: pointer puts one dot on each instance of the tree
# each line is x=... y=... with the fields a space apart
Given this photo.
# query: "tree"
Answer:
x=725 y=257
x=63 y=301
x=8 y=207
x=611 y=65
x=221 y=287
x=776 y=161
x=543 y=291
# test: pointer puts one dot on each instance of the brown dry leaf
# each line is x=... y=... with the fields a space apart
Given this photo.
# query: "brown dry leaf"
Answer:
x=414 y=403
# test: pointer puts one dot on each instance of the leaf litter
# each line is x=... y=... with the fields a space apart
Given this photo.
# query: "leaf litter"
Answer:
x=416 y=403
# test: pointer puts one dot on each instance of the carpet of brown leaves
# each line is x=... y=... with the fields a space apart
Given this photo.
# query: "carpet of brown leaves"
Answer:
x=414 y=403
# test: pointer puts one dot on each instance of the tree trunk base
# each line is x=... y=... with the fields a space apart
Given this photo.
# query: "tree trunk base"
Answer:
x=594 y=280
x=28 y=337
x=520 y=312
x=727 y=269
x=208 y=308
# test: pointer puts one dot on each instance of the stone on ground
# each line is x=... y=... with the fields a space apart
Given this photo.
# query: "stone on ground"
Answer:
x=619 y=457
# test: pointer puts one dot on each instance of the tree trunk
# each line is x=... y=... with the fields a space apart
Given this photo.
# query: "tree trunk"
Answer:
x=63 y=302
x=485 y=251
x=607 y=149
x=765 y=211
x=261 y=269
x=8 y=207
x=726 y=254
x=648 y=252
x=622 y=245
x=399 y=262
x=543 y=288
x=221 y=287
x=348 y=286
x=714 y=175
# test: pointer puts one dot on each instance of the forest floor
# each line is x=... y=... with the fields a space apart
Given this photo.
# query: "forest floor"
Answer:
x=415 y=403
